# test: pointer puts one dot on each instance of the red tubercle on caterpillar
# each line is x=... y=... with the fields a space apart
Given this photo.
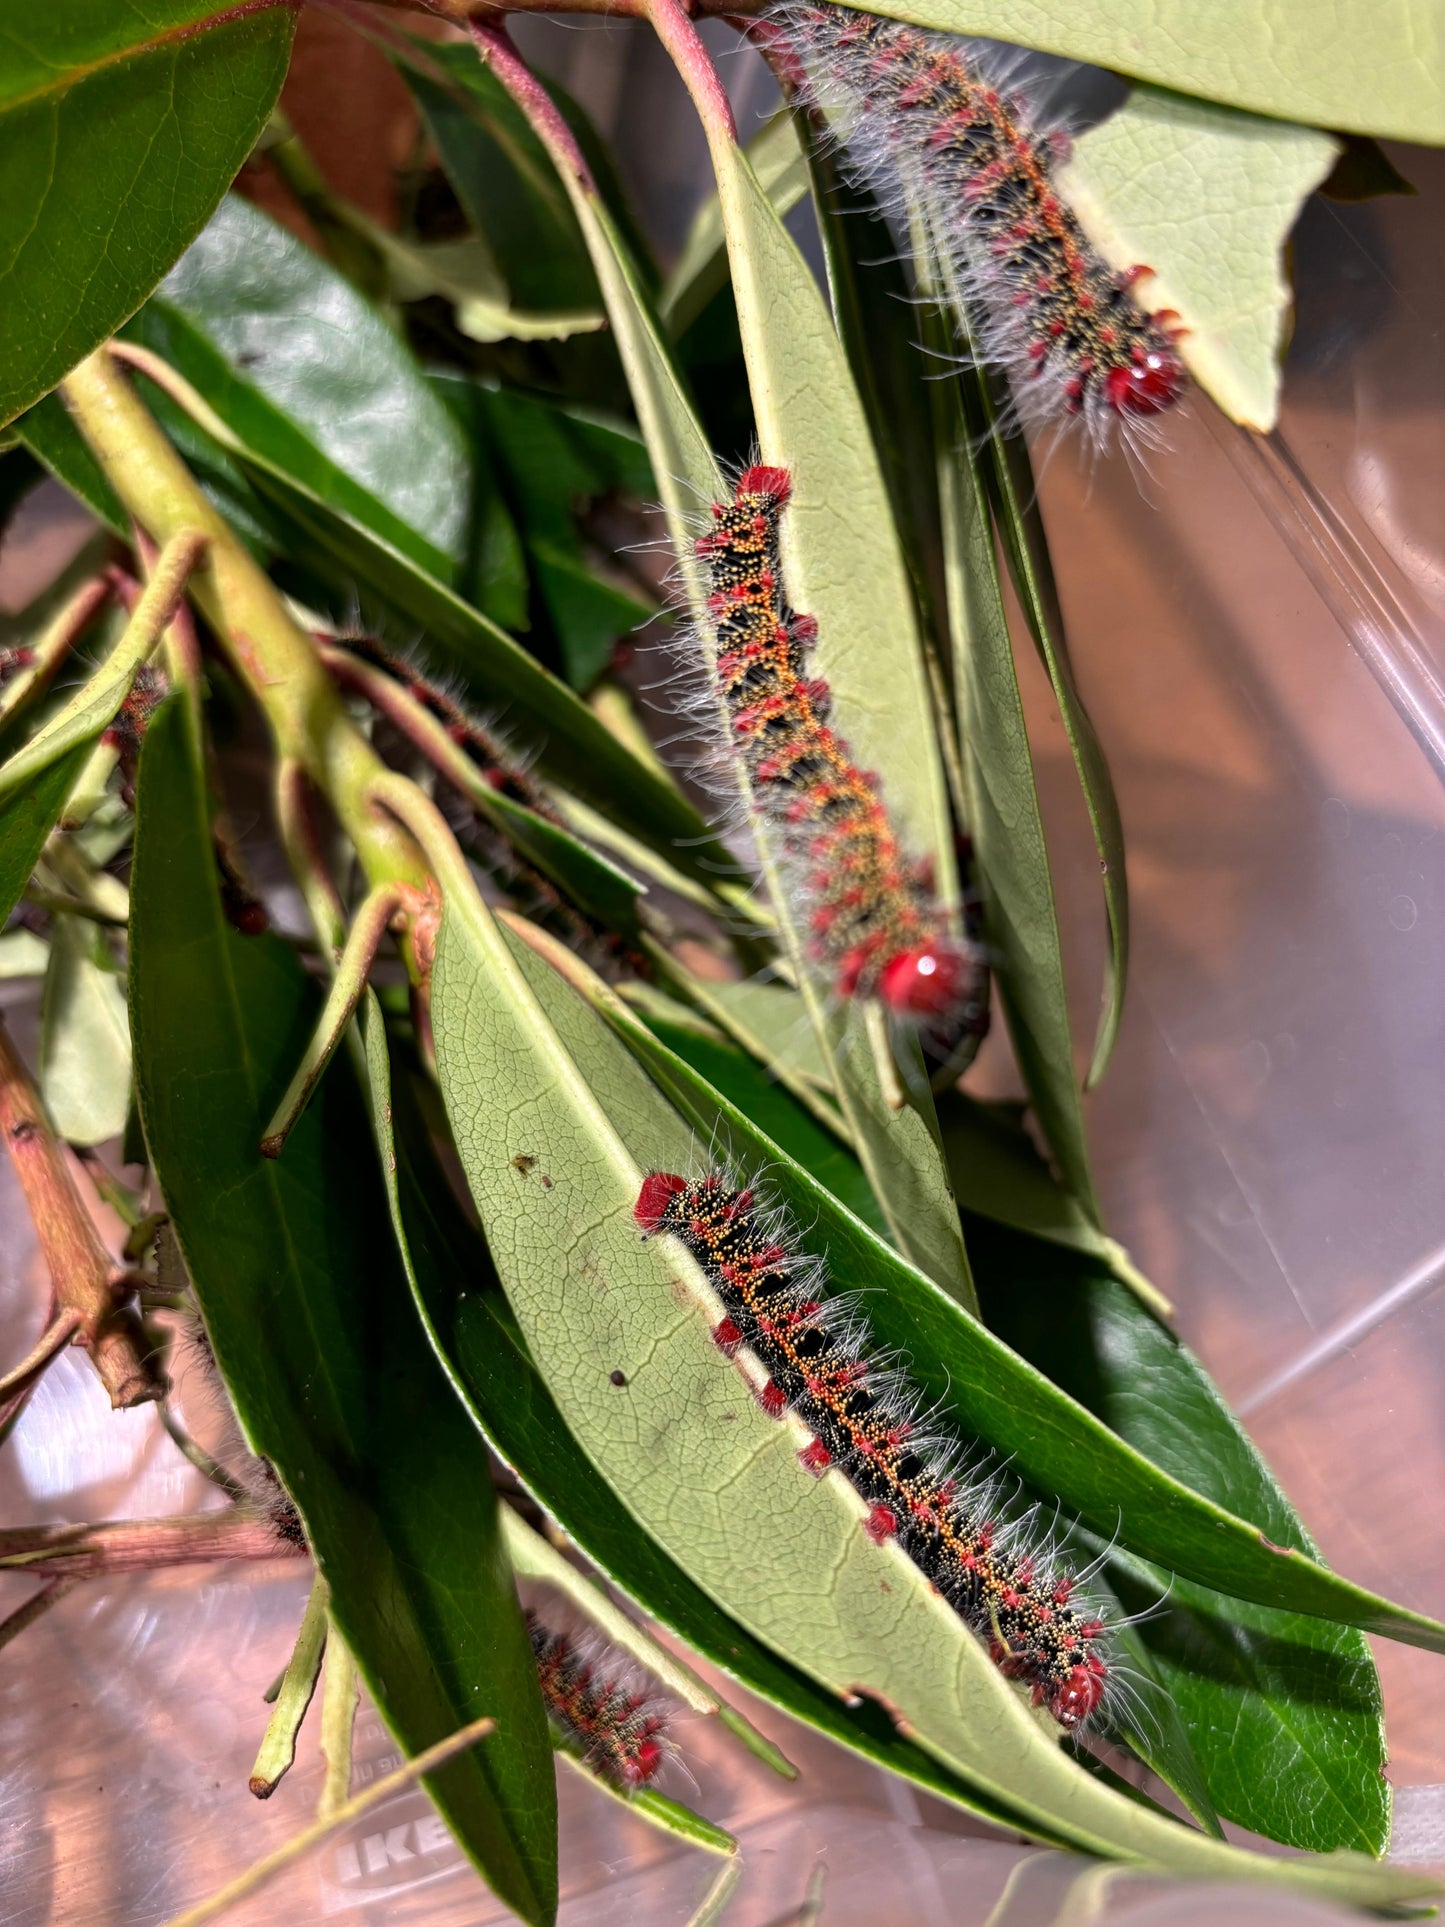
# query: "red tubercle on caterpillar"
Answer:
x=928 y=982
x=816 y=1458
x=773 y=1399
x=1152 y=382
x=1078 y=1695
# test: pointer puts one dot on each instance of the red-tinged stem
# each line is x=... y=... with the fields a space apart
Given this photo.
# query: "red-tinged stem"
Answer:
x=37 y=1604
x=84 y=1276
x=61 y=1329
x=693 y=61
x=140 y=1545
x=534 y=100
x=182 y=644
x=55 y=643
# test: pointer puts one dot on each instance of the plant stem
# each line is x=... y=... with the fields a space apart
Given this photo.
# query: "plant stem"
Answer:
x=59 y=1332
x=353 y=967
x=83 y=1274
x=140 y=1545
x=37 y=1604
x=339 y=1691
x=59 y=638
x=301 y=1843
x=298 y=1684
x=693 y=61
x=302 y=842
x=272 y=655
x=534 y=100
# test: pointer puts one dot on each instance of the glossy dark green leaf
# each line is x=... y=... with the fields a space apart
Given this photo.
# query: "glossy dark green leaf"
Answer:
x=554 y=462
x=1021 y=918
x=307 y=374
x=50 y=434
x=1286 y=1708
x=307 y=1306
x=122 y=124
x=28 y=817
x=477 y=1338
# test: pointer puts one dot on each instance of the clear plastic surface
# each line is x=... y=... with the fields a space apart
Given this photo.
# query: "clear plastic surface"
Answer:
x=1269 y=1144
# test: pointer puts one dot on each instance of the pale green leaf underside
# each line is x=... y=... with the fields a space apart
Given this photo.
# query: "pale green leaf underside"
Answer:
x=1206 y=198
x=1335 y=63
x=85 y=1059
x=898 y=1153
x=554 y=1167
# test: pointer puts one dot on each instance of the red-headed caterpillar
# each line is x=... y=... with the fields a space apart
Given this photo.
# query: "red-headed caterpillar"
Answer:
x=598 y=1707
x=873 y=920
x=921 y=1489
x=944 y=124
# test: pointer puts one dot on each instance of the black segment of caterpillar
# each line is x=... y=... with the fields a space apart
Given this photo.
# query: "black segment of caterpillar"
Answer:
x=942 y=119
x=864 y=1422
x=619 y=1731
x=873 y=920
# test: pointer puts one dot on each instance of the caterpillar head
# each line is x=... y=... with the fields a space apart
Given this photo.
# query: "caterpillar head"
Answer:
x=1150 y=383
x=659 y=1188
x=1077 y=1695
x=931 y=982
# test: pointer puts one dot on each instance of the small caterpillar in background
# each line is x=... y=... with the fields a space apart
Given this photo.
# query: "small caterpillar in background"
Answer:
x=937 y=120
x=864 y=1419
x=595 y=1704
x=872 y=915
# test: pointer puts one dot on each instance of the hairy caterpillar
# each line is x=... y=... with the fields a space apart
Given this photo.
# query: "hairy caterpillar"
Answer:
x=920 y=1489
x=939 y=122
x=596 y=1705
x=873 y=918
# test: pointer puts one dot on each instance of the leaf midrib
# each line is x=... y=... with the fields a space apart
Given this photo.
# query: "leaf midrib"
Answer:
x=75 y=76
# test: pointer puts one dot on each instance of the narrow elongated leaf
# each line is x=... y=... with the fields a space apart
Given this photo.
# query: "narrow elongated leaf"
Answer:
x=121 y=126
x=1004 y=818
x=1376 y=73
x=307 y=1307
x=84 y=1036
x=868 y=647
x=1206 y=198
x=555 y=1172
x=28 y=816
x=701 y=269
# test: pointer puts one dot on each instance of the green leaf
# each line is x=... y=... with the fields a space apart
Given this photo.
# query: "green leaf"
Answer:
x=307 y=374
x=307 y=1307
x=503 y=178
x=478 y=1340
x=50 y=434
x=1207 y=198
x=121 y=126
x=1285 y=1709
x=554 y=463
x=1376 y=72
x=701 y=271
x=555 y=1170
x=84 y=1036
x=1020 y=915
x=28 y=816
